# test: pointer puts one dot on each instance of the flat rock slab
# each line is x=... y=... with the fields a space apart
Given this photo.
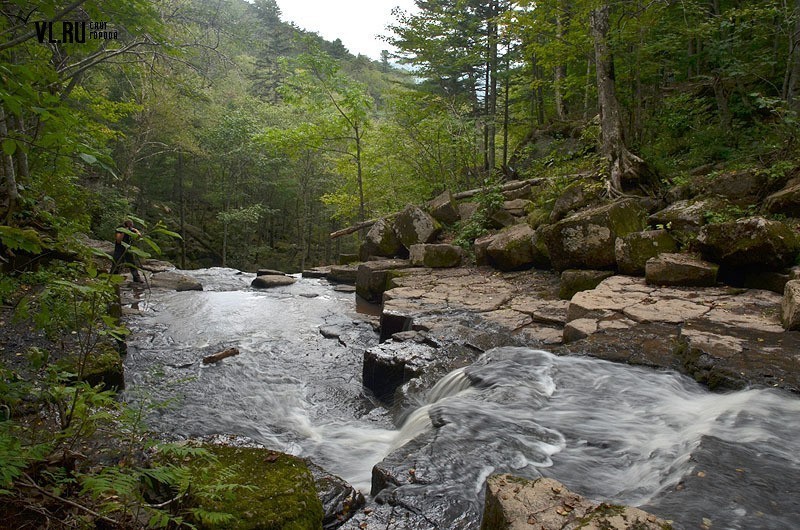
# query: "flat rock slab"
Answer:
x=175 y=281
x=317 y=272
x=513 y=503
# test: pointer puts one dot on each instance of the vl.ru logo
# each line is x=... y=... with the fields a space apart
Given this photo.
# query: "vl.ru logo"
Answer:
x=73 y=31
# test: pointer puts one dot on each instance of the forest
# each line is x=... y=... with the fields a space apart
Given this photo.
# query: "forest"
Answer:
x=236 y=139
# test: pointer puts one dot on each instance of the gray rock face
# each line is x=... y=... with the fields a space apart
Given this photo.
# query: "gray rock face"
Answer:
x=512 y=248
x=573 y=197
x=481 y=246
x=577 y=280
x=414 y=226
x=176 y=281
x=381 y=240
x=517 y=207
x=686 y=215
x=391 y=364
x=372 y=277
x=514 y=503
x=786 y=201
x=633 y=250
x=467 y=210
x=680 y=269
x=586 y=240
x=435 y=256
x=444 y=209
x=790 y=306
x=265 y=282
x=343 y=273
x=748 y=243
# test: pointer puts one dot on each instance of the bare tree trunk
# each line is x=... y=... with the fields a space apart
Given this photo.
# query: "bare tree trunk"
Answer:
x=792 y=74
x=560 y=73
x=491 y=100
x=624 y=166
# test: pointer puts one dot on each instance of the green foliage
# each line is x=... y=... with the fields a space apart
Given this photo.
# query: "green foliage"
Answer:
x=489 y=200
x=25 y=239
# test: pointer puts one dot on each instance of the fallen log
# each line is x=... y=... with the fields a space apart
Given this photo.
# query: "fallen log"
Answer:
x=510 y=186
x=217 y=357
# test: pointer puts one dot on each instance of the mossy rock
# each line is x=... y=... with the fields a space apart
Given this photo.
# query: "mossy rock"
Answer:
x=104 y=366
x=276 y=491
x=538 y=217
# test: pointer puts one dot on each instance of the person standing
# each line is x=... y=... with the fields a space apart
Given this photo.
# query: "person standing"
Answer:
x=122 y=240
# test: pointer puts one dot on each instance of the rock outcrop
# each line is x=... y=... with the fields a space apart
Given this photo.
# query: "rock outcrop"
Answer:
x=512 y=248
x=372 y=277
x=790 y=306
x=381 y=240
x=785 y=201
x=633 y=250
x=444 y=208
x=753 y=242
x=435 y=256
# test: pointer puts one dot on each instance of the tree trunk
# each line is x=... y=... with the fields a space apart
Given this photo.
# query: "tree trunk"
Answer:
x=560 y=73
x=624 y=166
x=9 y=171
x=491 y=99
x=793 y=61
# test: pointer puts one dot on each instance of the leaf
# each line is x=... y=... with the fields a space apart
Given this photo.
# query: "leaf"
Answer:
x=9 y=146
x=89 y=159
x=25 y=239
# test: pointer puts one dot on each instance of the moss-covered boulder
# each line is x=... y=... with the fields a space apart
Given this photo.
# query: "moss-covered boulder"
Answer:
x=586 y=239
x=575 y=196
x=103 y=366
x=271 y=490
x=680 y=270
x=577 y=280
x=633 y=250
x=753 y=242
x=435 y=256
x=414 y=226
x=538 y=217
x=512 y=248
x=381 y=240
x=687 y=215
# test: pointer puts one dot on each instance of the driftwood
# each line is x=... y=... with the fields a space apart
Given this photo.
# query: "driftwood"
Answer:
x=217 y=357
x=510 y=186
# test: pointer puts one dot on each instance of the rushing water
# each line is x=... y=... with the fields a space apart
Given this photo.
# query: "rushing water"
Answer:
x=609 y=431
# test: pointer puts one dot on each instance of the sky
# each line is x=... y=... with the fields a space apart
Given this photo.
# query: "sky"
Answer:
x=356 y=22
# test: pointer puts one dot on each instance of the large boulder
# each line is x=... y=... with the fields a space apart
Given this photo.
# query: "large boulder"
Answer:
x=517 y=207
x=514 y=503
x=343 y=273
x=754 y=242
x=444 y=208
x=790 y=306
x=734 y=185
x=686 y=215
x=680 y=269
x=512 y=248
x=466 y=210
x=785 y=201
x=414 y=226
x=271 y=280
x=435 y=256
x=372 y=277
x=633 y=250
x=381 y=240
x=575 y=196
x=586 y=239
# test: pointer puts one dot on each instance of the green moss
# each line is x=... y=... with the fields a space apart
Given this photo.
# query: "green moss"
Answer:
x=104 y=366
x=260 y=489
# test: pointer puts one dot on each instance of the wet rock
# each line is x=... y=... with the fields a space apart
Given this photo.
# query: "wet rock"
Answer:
x=389 y=365
x=514 y=503
x=269 y=272
x=343 y=273
x=512 y=248
x=579 y=328
x=317 y=272
x=586 y=240
x=345 y=288
x=786 y=201
x=266 y=282
x=576 y=280
x=790 y=306
x=393 y=322
x=217 y=357
x=414 y=226
x=154 y=265
x=340 y=501
x=444 y=209
x=175 y=281
x=633 y=250
x=346 y=259
x=381 y=240
x=435 y=256
x=372 y=277
x=517 y=207
x=680 y=269
x=686 y=215
x=754 y=242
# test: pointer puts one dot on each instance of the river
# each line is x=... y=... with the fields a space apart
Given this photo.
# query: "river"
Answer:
x=609 y=431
